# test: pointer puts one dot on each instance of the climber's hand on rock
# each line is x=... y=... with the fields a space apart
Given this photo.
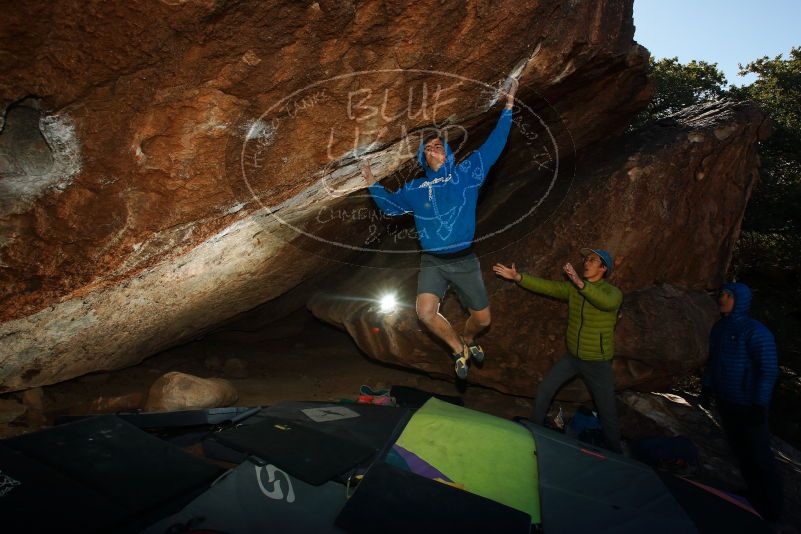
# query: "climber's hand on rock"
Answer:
x=509 y=90
x=367 y=173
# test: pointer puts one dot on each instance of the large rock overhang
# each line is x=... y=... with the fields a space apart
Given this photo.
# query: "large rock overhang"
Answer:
x=149 y=228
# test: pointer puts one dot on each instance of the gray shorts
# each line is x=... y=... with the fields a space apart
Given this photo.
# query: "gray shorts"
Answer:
x=463 y=274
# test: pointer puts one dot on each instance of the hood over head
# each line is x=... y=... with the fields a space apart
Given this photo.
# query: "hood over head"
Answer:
x=421 y=157
x=742 y=298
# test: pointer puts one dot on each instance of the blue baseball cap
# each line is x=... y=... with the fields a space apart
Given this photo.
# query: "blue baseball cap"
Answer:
x=604 y=255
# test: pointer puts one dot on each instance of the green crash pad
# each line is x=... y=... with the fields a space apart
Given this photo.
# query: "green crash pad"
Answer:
x=487 y=455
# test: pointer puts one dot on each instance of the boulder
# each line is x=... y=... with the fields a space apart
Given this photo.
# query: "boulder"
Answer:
x=671 y=233
x=180 y=391
x=168 y=165
x=128 y=402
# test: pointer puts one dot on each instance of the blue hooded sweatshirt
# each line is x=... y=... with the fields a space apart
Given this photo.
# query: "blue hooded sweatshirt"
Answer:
x=444 y=202
x=743 y=365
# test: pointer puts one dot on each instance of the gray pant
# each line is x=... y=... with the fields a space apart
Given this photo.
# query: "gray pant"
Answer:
x=600 y=382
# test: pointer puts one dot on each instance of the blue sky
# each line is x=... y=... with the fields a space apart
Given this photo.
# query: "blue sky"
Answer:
x=725 y=32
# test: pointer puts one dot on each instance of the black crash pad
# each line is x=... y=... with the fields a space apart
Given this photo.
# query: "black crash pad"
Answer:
x=393 y=500
x=258 y=499
x=36 y=498
x=308 y=454
x=711 y=513
x=140 y=475
x=376 y=427
x=373 y=426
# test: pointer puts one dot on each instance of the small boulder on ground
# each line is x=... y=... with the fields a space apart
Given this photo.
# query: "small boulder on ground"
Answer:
x=181 y=391
x=213 y=364
x=10 y=410
x=235 y=368
x=117 y=403
x=33 y=399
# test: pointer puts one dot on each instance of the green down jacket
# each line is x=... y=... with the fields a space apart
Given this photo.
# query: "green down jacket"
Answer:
x=592 y=314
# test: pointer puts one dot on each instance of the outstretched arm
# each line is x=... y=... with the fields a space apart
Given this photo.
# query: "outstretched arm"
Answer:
x=389 y=203
x=556 y=289
x=488 y=153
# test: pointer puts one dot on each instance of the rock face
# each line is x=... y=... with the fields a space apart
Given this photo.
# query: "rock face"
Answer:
x=180 y=391
x=148 y=147
x=668 y=203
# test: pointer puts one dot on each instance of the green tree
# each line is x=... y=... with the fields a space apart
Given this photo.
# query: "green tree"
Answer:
x=776 y=204
x=769 y=249
x=679 y=86
x=772 y=225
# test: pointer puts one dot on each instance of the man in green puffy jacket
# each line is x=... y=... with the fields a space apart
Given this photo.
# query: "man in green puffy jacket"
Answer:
x=593 y=305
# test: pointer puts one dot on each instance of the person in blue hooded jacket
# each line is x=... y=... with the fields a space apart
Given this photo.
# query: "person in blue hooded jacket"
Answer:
x=443 y=202
x=740 y=374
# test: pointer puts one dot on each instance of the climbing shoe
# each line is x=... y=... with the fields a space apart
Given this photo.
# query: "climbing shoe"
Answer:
x=460 y=364
x=476 y=352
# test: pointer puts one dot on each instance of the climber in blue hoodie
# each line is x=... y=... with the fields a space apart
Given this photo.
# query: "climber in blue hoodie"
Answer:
x=444 y=206
x=740 y=375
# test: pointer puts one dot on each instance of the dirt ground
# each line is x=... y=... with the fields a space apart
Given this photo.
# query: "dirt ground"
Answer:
x=297 y=358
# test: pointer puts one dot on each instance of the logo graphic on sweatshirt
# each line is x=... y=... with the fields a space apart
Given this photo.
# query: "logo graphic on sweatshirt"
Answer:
x=302 y=161
x=445 y=219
